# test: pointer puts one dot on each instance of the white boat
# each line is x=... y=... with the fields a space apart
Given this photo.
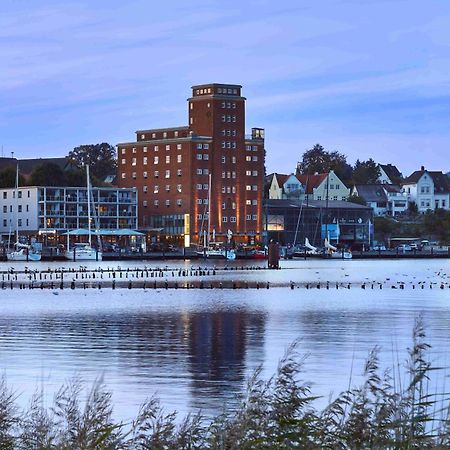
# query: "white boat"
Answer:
x=215 y=250
x=84 y=251
x=23 y=253
x=335 y=253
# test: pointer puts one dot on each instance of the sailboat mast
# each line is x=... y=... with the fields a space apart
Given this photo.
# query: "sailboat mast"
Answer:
x=209 y=206
x=88 y=203
x=17 y=203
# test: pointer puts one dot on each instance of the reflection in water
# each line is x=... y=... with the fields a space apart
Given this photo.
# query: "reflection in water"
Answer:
x=217 y=349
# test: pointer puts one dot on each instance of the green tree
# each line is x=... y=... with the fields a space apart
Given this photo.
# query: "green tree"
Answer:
x=319 y=160
x=8 y=178
x=48 y=174
x=366 y=172
x=100 y=157
x=384 y=228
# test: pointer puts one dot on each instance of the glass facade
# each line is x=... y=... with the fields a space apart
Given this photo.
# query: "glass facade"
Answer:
x=67 y=208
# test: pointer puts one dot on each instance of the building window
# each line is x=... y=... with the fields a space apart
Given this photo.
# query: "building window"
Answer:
x=124 y=161
x=248 y=158
x=133 y=175
x=233 y=205
x=248 y=172
x=199 y=171
x=206 y=157
x=199 y=156
x=205 y=201
x=134 y=150
x=123 y=176
x=167 y=187
x=248 y=202
x=133 y=161
x=156 y=173
x=145 y=149
x=255 y=158
x=255 y=217
x=164 y=134
x=233 y=219
x=167 y=202
x=175 y=133
x=199 y=186
x=248 y=217
x=168 y=147
x=199 y=146
x=254 y=202
x=156 y=203
x=178 y=158
x=254 y=187
x=205 y=187
x=156 y=189
x=179 y=172
x=179 y=201
x=123 y=151
x=167 y=173
x=224 y=219
x=199 y=201
x=178 y=187
x=167 y=159
x=153 y=135
x=248 y=187
x=255 y=173
x=145 y=203
x=145 y=189
x=145 y=174
x=206 y=146
x=233 y=159
x=178 y=146
x=19 y=222
x=224 y=205
x=156 y=160
x=223 y=174
x=156 y=148
x=144 y=160
x=223 y=159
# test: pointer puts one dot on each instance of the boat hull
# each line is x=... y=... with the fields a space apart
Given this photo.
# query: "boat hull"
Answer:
x=22 y=256
x=84 y=255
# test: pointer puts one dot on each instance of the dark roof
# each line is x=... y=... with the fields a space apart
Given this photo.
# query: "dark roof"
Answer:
x=371 y=192
x=311 y=181
x=6 y=163
x=440 y=180
x=391 y=171
x=392 y=188
x=26 y=166
x=316 y=204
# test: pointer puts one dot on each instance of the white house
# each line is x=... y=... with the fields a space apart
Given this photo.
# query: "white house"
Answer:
x=384 y=199
x=315 y=187
x=429 y=190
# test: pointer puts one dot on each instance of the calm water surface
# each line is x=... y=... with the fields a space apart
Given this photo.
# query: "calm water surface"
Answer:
x=196 y=348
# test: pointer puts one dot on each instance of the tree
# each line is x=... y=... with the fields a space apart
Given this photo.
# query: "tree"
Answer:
x=356 y=199
x=100 y=157
x=319 y=160
x=366 y=172
x=8 y=178
x=48 y=174
x=412 y=208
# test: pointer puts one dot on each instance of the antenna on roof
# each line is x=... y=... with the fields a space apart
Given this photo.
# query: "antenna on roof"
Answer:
x=12 y=154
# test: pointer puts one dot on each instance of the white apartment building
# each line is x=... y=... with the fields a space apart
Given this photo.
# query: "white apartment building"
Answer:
x=39 y=209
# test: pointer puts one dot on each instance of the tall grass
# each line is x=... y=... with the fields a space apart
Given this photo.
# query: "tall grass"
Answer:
x=388 y=411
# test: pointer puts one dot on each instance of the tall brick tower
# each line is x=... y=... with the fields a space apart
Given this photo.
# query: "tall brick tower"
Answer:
x=213 y=147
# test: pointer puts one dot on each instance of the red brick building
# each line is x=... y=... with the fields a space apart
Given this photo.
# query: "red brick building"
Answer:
x=172 y=169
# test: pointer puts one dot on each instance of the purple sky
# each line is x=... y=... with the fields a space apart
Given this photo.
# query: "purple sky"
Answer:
x=368 y=78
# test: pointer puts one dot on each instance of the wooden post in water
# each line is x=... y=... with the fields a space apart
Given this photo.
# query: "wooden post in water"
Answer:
x=274 y=255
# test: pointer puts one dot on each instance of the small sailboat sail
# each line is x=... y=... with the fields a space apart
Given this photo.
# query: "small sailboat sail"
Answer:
x=22 y=252
x=84 y=251
x=213 y=249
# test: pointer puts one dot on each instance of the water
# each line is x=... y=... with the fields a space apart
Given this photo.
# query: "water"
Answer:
x=195 y=348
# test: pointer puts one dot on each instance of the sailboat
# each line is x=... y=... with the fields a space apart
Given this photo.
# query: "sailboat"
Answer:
x=334 y=252
x=22 y=252
x=84 y=251
x=212 y=249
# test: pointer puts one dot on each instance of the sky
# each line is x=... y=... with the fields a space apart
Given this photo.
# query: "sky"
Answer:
x=367 y=78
